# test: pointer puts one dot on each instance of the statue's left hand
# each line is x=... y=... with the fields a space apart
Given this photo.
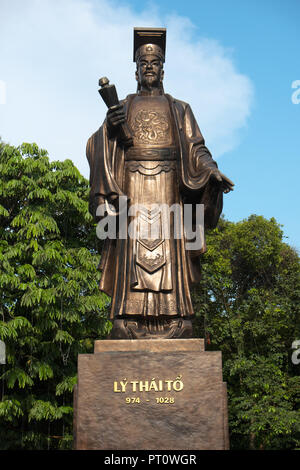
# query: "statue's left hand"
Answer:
x=218 y=177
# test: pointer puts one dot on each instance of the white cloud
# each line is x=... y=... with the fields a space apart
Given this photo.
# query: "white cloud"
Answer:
x=53 y=52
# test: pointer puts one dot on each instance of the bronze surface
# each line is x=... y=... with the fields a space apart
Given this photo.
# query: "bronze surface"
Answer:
x=161 y=159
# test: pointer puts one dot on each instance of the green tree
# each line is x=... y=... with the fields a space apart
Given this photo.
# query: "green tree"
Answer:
x=50 y=306
x=248 y=307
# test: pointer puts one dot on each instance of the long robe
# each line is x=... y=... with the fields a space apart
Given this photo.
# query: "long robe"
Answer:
x=134 y=293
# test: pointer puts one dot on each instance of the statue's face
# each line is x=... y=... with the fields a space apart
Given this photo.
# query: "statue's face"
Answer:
x=149 y=72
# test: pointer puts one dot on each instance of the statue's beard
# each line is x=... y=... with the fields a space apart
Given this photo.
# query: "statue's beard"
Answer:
x=150 y=81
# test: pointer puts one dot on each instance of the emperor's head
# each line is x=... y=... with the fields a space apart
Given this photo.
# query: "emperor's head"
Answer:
x=149 y=55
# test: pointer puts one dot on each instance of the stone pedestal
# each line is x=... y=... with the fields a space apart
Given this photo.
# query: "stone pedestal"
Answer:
x=152 y=395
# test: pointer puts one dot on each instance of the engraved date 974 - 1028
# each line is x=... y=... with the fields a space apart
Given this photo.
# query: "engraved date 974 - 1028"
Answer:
x=151 y=127
x=160 y=400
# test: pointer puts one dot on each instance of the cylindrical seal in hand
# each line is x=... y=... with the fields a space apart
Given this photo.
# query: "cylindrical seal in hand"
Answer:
x=110 y=97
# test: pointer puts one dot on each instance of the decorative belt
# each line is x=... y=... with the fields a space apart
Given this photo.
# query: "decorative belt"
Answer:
x=144 y=154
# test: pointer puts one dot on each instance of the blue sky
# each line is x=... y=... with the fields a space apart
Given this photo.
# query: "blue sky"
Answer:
x=233 y=61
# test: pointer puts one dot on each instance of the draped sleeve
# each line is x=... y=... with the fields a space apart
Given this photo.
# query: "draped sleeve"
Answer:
x=196 y=165
x=106 y=161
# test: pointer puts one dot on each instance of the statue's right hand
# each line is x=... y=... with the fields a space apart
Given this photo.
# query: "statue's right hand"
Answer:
x=115 y=117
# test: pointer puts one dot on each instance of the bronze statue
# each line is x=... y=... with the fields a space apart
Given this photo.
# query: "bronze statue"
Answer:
x=162 y=162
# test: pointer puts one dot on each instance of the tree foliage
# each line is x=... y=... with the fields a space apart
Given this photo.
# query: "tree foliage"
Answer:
x=50 y=306
x=248 y=307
